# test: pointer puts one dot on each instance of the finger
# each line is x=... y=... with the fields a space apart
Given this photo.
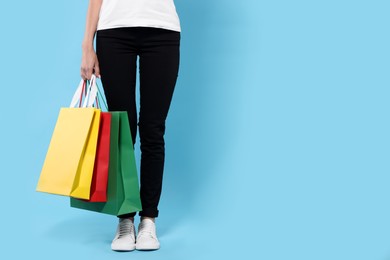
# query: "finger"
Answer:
x=97 y=71
x=87 y=72
x=82 y=74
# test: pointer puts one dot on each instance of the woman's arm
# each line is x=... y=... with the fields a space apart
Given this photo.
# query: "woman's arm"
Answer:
x=89 y=61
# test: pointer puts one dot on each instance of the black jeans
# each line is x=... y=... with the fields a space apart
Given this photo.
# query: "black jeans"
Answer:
x=117 y=50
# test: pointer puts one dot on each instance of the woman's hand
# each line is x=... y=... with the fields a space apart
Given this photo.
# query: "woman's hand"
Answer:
x=89 y=63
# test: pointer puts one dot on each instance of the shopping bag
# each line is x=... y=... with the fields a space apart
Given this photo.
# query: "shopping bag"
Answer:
x=102 y=160
x=69 y=162
x=122 y=188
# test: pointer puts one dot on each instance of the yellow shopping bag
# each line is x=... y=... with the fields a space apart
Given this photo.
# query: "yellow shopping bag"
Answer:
x=69 y=162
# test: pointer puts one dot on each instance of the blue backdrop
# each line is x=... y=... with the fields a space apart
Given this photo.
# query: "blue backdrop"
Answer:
x=277 y=141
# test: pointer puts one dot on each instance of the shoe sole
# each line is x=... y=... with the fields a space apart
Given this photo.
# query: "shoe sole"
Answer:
x=122 y=249
x=146 y=248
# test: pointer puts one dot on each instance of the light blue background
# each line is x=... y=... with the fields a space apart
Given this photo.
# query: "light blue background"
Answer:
x=277 y=142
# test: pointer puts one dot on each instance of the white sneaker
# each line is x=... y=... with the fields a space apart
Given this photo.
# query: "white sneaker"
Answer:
x=147 y=238
x=125 y=236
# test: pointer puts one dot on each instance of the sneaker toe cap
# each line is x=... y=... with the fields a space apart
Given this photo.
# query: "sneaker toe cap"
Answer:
x=123 y=245
x=147 y=244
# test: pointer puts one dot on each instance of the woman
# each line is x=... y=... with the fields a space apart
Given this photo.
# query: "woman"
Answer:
x=125 y=30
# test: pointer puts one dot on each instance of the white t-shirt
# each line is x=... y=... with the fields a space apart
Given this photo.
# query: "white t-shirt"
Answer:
x=145 y=13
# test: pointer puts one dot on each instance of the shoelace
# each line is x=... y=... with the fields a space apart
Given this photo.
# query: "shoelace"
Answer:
x=146 y=229
x=125 y=227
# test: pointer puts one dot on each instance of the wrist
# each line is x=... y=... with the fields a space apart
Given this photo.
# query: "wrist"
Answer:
x=87 y=45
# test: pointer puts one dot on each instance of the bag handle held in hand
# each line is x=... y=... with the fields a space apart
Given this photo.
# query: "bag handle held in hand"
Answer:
x=90 y=96
x=91 y=93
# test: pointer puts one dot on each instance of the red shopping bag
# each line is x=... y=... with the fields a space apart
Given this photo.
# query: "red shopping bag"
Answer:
x=102 y=159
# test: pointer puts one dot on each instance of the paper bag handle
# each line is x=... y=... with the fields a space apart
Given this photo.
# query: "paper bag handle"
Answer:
x=90 y=93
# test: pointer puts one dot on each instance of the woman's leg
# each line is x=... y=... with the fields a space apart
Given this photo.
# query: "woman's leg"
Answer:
x=159 y=65
x=117 y=51
x=117 y=55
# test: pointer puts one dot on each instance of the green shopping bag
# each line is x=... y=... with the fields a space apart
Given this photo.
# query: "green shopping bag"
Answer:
x=122 y=188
